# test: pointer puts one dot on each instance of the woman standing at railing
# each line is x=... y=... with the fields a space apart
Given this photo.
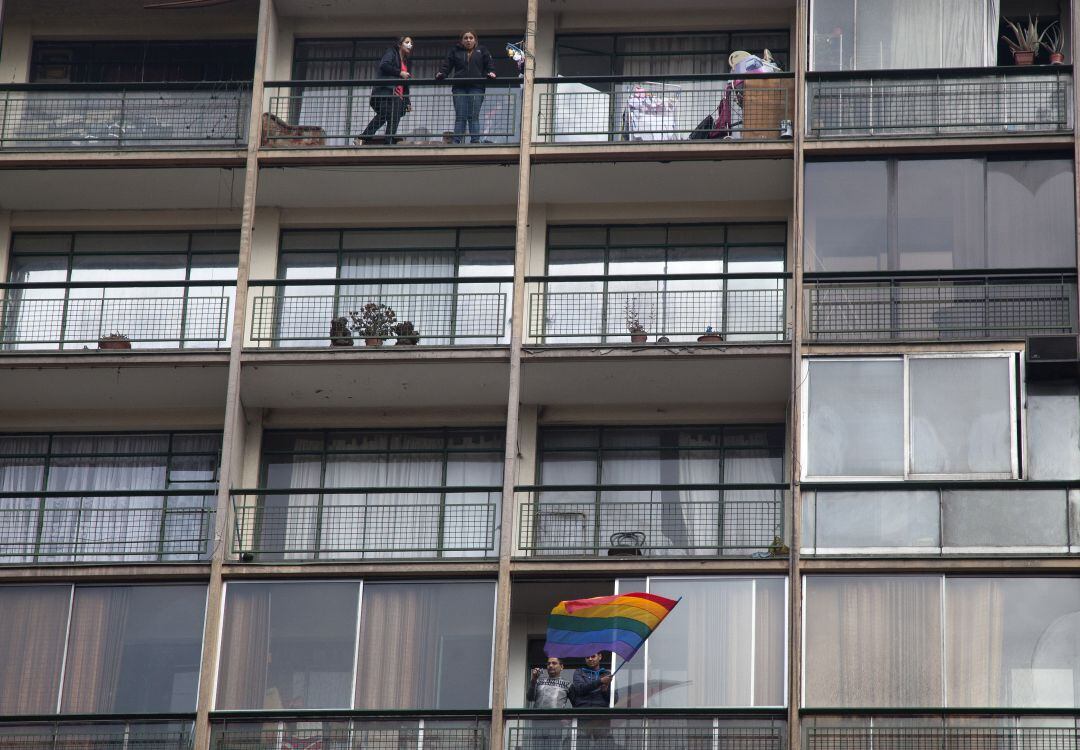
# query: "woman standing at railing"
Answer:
x=391 y=102
x=467 y=60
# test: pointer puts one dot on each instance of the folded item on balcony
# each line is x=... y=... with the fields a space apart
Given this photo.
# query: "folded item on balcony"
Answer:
x=276 y=133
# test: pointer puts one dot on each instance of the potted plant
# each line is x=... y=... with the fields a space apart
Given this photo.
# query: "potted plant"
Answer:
x=1025 y=41
x=638 y=334
x=406 y=333
x=340 y=335
x=375 y=322
x=114 y=340
x=710 y=336
x=1054 y=42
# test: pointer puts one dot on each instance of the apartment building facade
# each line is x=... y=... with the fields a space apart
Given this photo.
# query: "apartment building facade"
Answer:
x=798 y=347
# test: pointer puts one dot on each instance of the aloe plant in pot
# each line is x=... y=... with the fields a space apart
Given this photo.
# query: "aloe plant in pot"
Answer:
x=374 y=322
x=1053 y=40
x=1025 y=40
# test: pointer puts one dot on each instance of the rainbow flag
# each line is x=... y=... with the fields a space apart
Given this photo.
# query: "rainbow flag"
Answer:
x=619 y=624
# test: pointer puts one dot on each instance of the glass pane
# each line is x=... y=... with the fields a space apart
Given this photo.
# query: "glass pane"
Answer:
x=940 y=207
x=873 y=641
x=846 y=216
x=33 y=624
x=134 y=649
x=1030 y=214
x=960 y=415
x=426 y=646
x=1053 y=431
x=288 y=645
x=856 y=418
x=1012 y=642
x=850 y=520
x=1004 y=518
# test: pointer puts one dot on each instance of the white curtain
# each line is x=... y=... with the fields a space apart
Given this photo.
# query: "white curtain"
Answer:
x=430 y=306
x=299 y=511
x=693 y=521
x=19 y=516
x=329 y=107
x=468 y=526
x=925 y=34
x=628 y=511
x=751 y=517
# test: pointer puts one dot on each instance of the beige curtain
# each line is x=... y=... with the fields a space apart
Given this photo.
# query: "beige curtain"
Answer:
x=33 y=623
x=396 y=633
x=873 y=641
x=245 y=649
x=974 y=642
x=95 y=649
x=769 y=656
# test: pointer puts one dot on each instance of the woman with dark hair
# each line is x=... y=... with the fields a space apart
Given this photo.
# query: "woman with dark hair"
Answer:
x=390 y=102
x=467 y=60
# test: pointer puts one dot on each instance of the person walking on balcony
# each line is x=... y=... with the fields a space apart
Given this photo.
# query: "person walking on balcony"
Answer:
x=473 y=64
x=390 y=102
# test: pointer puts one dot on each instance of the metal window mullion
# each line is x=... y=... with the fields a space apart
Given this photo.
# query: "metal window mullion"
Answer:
x=67 y=644
x=440 y=531
x=598 y=492
x=908 y=468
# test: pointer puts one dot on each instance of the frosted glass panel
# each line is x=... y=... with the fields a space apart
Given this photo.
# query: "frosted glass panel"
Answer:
x=856 y=418
x=877 y=519
x=1004 y=518
x=960 y=415
x=1053 y=431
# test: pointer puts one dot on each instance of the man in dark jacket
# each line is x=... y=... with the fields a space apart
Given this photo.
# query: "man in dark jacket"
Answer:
x=469 y=61
x=592 y=689
x=390 y=102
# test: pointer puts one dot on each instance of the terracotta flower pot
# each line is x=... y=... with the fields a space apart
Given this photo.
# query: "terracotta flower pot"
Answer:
x=1024 y=58
x=1057 y=58
x=638 y=338
x=113 y=344
x=341 y=341
x=711 y=338
x=373 y=341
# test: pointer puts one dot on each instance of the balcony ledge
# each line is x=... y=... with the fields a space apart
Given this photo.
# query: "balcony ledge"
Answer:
x=104 y=571
x=543 y=567
x=387 y=568
x=662 y=151
x=368 y=155
x=843 y=145
x=73 y=158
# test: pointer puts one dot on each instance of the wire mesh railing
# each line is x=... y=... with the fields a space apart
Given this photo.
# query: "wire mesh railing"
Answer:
x=441 y=311
x=127 y=525
x=345 y=114
x=956 y=102
x=116 y=315
x=344 y=733
x=97 y=735
x=703 y=109
x=354 y=523
x=947 y=307
x=124 y=116
x=967 y=737
x=601 y=731
x=623 y=309
x=652 y=520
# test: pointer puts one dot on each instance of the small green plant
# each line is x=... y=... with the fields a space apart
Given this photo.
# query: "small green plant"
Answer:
x=1053 y=39
x=374 y=321
x=1025 y=37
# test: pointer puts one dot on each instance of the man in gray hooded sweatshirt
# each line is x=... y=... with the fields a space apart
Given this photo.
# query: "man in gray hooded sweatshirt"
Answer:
x=552 y=691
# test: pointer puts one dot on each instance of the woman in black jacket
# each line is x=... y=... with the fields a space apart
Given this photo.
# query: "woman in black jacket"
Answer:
x=467 y=60
x=391 y=102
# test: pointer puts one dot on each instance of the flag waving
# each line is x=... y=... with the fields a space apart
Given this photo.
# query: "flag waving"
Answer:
x=620 y=624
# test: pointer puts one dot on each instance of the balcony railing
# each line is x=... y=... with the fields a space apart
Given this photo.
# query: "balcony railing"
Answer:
x=354 y=523
x=148 y=314
x=456 y=311
x=698 y=109
x=39 y=116
x=82 y=735
x=959 y=102
x=652 y=520
x=940 y=518
x=127 y=525
x=635 y=730
x=868 y=307
x=336 y=114
x=595 y=309
x=313 y=732
x=991 y=736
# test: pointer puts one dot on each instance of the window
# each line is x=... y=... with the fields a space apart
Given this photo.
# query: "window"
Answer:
x=126 y=649
x=705 y=518
x=884 y=35
x=684 y=53
x=723 y=646
x=71 y=317
x=939 y=214
x=390 y=266
x=421 y=645
x=353 y=518
x=937 y=641
x=743 y=308
x=157 y=61
x=915 y=416
x=168 y=516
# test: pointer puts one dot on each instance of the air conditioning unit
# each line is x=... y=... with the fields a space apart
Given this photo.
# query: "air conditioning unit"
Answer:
x=1052 y=357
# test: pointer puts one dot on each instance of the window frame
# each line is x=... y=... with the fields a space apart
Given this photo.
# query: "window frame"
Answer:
x=1016 y=418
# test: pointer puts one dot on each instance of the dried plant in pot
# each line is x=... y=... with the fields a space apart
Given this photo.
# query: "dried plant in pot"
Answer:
x=1025 y=40
x=638 y=334
x=374 y=323
x=406 y=333
x=114 y=340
